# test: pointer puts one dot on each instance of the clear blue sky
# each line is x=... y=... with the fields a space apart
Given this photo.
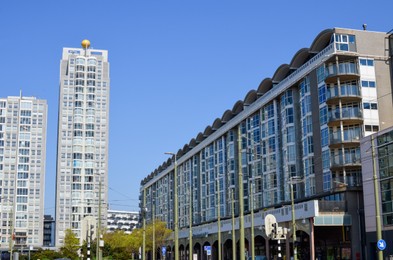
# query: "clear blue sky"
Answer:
x=176 y=65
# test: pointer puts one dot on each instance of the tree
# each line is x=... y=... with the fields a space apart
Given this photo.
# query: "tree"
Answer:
x=71 y=245
x=45 y=254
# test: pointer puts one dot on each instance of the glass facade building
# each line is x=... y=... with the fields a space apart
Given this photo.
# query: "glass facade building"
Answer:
x=82 y=149
x=23 y=122
x=306 y=122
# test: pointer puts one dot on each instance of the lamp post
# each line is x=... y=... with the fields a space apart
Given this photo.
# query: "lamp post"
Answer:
x=154 y=227
x=241 y=195
x=144 y=225
x=252 y=190
x=233 y=225
x=176 y=208
x=190 y=255
x=218 y=219
x=376 y=196
x=294 y=180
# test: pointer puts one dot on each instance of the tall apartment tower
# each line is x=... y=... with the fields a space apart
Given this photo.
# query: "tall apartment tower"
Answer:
x=22 y=170
x=82 y=148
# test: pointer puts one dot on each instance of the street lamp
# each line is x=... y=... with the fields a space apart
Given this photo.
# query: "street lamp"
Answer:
x=154 y=226
x=144 y=225
x=241 y=195
x=376 y=196
x=176 y=208
x=232 y=188
x=252 y=215
x=190 y=246
x=294 y=180
x=219 y=218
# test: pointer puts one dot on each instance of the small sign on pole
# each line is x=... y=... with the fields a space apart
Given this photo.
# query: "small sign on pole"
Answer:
x=381 y=244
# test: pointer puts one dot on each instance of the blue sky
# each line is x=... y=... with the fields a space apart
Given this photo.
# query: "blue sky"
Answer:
x=176 y=65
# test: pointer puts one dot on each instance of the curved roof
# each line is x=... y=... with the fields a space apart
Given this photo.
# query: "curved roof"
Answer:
x=192 y=143
x=321 y=41
x=208 y=131
x=228 y=115
x=216 y=124
x=179 y=153
x=281 y=73
x=300 y=58
x=200 y=137
x=238 y=107
x=265 y=86
x=250 y=97
x=186 y=148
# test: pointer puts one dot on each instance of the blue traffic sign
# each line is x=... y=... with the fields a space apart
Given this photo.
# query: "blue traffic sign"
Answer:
x=207 y=248
x=381 y=244
x=163 y=249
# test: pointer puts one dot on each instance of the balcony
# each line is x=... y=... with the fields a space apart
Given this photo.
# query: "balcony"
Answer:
x=348 y=139
x=350 y=116
x=326 y=206
x=350 y=161
x=346 y=71
x=346 y=92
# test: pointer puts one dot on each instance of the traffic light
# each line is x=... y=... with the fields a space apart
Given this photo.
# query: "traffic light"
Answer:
x=274 y=229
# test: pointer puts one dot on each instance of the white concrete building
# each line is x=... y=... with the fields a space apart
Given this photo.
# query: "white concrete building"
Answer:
x=23 y=123
x=122 y=220
x=82 y=155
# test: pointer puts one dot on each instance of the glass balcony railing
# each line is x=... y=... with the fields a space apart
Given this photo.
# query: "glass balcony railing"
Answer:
x=332 y=206
x=348 y=137
x=346 y=113
x=343 y=91
x=347 y=160
x=344 y=68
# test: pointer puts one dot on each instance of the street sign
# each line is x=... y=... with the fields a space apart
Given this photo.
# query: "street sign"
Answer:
x=381 y=244
x=209 y=252
x=163 y=249
x=207 y=248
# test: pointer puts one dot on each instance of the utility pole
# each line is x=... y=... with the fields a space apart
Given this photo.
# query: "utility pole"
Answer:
x=219 y=219
x=190 y=249
x=241 y=194
x=144 y=225
x=98 y=239
x=233 y=225
x=376 y=195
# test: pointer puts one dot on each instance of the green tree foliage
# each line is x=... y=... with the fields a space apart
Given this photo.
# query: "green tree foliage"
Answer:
x=71 y=245
x=44 y=254
x=161 y=234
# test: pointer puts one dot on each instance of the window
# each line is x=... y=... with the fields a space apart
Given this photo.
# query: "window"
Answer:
x=372 y=106
x=368 y=84
x=322 y=94
x=366 y=62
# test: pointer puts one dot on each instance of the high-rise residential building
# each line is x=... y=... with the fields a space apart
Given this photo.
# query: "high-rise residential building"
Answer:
x=82 y=149
x=23 y=122
x=294 y=139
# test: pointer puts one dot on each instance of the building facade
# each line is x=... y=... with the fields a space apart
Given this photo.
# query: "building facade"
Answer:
x=122 y=220
x=49 y=231
x=305 y=124
x=82 y=150
x=23 y=122
x=377 y=160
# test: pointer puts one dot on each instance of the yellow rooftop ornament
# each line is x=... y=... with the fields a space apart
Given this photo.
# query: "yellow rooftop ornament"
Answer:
x=85 y=44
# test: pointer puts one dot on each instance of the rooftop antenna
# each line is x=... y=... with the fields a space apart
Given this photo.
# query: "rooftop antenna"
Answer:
x=20 y=94
x=364 y=27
